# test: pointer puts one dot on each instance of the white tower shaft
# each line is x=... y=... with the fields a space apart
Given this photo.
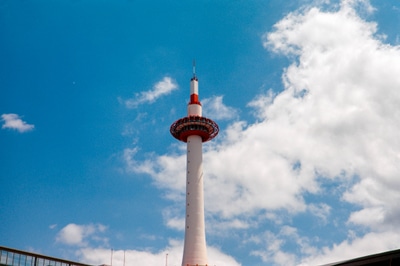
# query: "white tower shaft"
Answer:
x=194 y=252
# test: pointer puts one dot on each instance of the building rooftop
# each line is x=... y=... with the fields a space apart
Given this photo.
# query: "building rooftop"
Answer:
x=389 y=258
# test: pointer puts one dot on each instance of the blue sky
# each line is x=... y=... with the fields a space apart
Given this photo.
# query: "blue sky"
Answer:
x=305 y=168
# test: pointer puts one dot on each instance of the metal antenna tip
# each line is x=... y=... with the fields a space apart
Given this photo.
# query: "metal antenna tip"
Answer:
x=194 y=68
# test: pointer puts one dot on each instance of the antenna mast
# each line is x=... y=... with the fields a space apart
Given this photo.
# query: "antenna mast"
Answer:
x=194 y=68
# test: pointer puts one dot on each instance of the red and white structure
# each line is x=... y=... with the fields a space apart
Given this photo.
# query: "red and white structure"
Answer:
x=194 y=129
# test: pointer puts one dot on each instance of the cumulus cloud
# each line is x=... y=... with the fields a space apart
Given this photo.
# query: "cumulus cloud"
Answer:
x=353 y=247
x=273 y=252
x=79 y=235
x=321 y=211
x=172 y=253
x=161 y=88
x=347 y=112
x=337 y=119
x=173 y=167
x=13 y=121
x=217 y=109
x=86 y=238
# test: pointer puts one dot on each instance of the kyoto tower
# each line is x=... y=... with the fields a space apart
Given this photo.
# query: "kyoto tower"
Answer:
x=194 y=129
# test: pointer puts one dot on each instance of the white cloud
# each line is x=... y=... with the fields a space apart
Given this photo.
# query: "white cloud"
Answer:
x=217 y=109
x=172 y=165
x=353 y=248
x=13 y=121
x=53 y=226
x=79 y=235
x=272 y=249
x=363 y=5
x=349 y=113
x=173 y=218
x=322 y=211
x=161 y=88
x=97 y=256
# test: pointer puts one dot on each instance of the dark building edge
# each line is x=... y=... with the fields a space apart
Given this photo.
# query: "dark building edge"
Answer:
x=388 y=258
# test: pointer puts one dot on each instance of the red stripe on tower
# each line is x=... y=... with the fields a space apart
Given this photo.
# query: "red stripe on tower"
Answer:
x=194 y=99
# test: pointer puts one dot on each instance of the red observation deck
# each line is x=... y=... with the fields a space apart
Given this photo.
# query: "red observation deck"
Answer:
x=206 y=128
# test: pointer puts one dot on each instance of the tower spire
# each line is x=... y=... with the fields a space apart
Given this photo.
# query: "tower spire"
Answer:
x=194 y=129
x=194 y=68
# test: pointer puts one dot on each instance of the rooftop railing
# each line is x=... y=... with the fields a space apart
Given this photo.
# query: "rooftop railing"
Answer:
x=14 y=257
